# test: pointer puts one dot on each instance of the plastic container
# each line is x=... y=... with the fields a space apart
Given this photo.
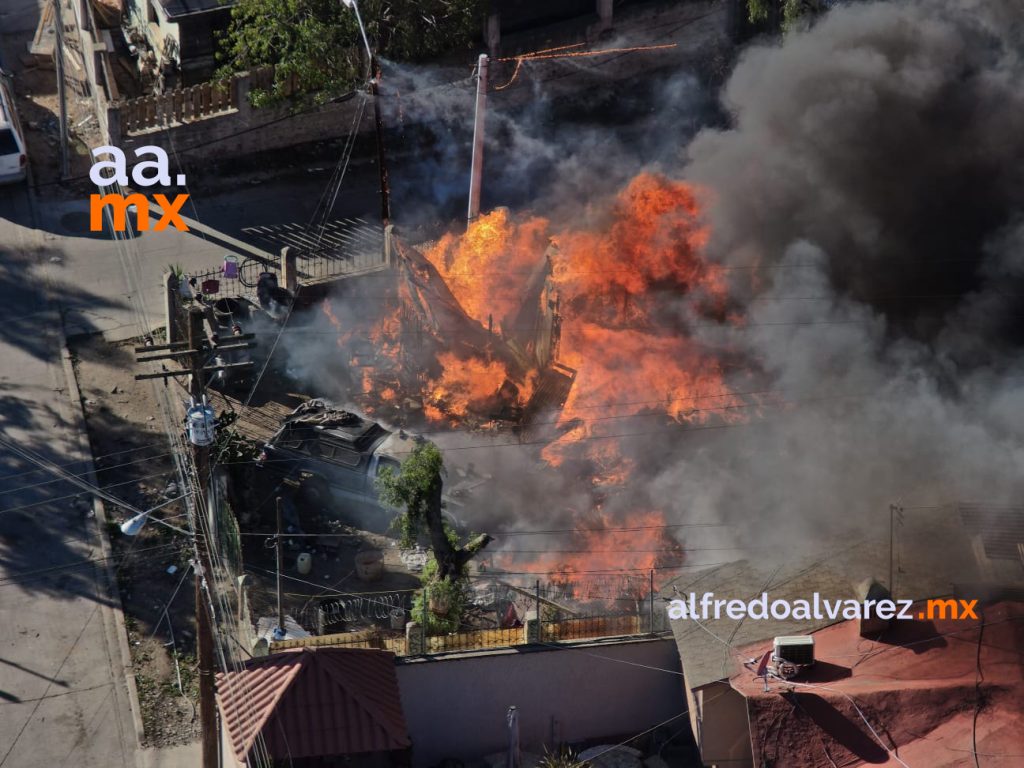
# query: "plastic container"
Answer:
x=230 y=267
x=304 y=563
x=201 y=421
x=370 y=565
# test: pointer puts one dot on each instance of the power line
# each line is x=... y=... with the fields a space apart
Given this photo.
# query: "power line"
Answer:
x=63 y=478
x=99 y=491
x=41 y=573
x=83 y=461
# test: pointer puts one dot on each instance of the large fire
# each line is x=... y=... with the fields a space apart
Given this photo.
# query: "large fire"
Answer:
x=602 y=560
x=516 y=295
x=613 y=280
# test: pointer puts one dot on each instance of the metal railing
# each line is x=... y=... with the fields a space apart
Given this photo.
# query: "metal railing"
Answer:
x=532 y=632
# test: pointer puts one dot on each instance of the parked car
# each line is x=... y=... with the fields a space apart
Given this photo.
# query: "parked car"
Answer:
x=13 y=155
x=338 y=455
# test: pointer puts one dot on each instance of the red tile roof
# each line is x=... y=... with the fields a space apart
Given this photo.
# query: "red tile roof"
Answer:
x=314 y=702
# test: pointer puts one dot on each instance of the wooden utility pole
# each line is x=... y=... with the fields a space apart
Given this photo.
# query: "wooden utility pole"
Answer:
x=204 y=621
x=194 y=354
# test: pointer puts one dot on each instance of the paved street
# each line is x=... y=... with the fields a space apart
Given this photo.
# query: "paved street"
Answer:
x=61 y=681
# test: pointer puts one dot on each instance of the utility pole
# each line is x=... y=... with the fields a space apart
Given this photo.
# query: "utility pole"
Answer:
x=385 y=192
x=204 y=622
x=373 y=73
x=280 y=566
x=194 y=354
x=476 y=173
x=58 y=58
x=894 y=511
x=652 y=601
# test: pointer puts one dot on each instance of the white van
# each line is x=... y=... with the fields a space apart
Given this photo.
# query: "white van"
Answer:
x=13 y=158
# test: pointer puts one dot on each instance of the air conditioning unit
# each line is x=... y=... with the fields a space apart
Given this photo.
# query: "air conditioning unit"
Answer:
x=791 y=654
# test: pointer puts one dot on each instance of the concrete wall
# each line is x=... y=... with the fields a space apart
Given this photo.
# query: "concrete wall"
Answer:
x=455 y=706
x=242 y=130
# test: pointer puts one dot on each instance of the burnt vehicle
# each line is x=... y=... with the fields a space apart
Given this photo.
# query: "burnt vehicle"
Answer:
x=335 y=457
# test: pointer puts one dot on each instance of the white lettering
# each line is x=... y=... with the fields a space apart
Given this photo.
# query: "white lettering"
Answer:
x=118 y=164
x=904 y=609
x=161 y=164
x=677 y=610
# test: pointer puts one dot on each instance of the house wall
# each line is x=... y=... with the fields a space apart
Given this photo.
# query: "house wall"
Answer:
x=455 y=706
x=236 y=131
x=722 y=727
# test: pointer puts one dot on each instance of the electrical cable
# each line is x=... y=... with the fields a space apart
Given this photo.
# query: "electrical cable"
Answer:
x=18 y=488
x=82 y=461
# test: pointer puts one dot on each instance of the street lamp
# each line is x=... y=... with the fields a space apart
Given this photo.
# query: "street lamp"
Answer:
x=133 y=525
x=359 y=19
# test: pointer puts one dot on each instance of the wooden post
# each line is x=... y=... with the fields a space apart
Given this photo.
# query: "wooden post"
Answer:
x=289 y=273
x=279 y=546
x=171 y=288
x=651 y=630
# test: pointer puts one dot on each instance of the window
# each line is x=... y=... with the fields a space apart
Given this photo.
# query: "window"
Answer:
x=339 y=454
x=8 y=144
x=386 y=462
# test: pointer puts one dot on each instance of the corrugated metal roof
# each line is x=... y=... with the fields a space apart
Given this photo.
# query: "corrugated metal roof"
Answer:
x=314 y=702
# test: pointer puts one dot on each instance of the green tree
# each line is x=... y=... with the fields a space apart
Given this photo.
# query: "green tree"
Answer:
x=417 y=488
x=318 y=44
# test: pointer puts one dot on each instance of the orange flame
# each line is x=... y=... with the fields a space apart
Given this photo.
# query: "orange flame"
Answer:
x=488 y=267
x=599 y=549
x=462 y=386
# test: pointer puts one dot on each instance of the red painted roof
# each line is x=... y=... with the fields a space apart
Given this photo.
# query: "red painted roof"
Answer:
x=314 y=702
x=930 y=690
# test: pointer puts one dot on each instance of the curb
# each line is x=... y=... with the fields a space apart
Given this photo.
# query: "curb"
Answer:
x=112 y=615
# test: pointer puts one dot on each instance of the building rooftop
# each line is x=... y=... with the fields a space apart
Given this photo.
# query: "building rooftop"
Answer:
x=311 y=702
x=932 y=689
x=931 y=553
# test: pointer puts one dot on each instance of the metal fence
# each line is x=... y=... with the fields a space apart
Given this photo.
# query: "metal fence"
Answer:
x=532 y=632
x=342 y=248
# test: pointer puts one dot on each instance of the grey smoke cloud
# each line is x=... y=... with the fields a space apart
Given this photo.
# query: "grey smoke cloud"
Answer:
x=873 y=173
x=865 y=198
